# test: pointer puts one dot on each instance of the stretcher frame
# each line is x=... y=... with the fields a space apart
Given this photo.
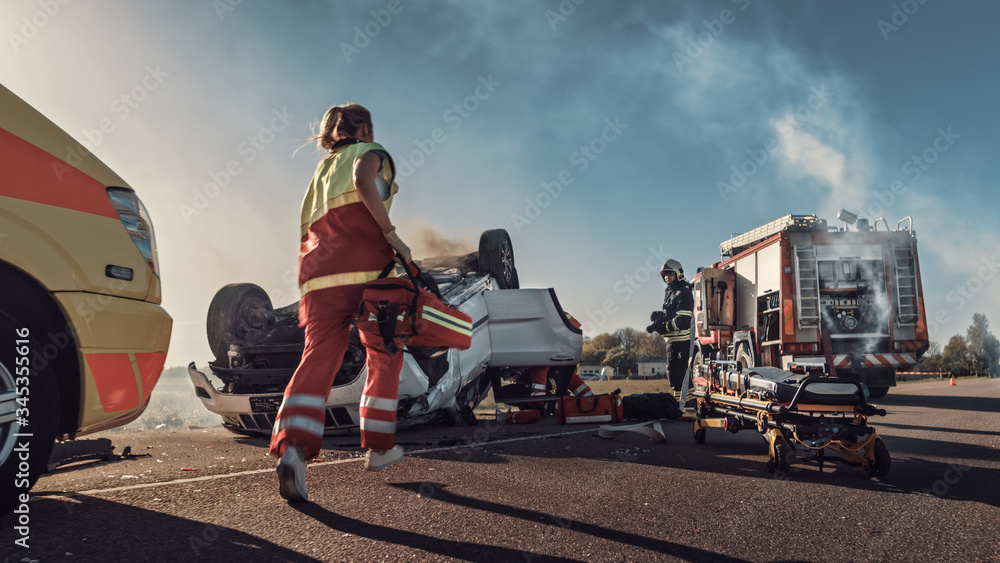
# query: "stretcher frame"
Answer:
x=795 y=431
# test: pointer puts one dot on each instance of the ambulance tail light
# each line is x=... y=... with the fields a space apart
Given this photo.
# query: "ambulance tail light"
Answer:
x=135 y=219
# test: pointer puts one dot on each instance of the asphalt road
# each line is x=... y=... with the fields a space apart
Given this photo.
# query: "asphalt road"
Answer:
x=539 y=492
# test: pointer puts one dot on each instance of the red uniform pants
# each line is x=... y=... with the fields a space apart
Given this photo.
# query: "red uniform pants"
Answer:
x=380 y=399
x=539 y=377
x=301 y=418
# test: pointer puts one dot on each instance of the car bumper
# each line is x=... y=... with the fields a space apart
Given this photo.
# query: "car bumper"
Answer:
x=256 y=413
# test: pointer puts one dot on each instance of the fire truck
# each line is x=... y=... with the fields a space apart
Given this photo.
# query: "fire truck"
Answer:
x=797 y=290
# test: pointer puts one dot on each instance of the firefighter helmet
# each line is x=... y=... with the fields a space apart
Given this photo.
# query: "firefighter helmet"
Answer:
x=672 y=266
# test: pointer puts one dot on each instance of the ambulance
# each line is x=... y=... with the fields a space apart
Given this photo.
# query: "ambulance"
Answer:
x=83 y=338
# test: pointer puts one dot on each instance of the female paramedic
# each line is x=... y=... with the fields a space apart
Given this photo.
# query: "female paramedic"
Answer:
x=347 y=241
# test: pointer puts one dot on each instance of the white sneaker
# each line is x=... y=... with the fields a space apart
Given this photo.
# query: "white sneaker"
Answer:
x=377 y=461
x=292 y=475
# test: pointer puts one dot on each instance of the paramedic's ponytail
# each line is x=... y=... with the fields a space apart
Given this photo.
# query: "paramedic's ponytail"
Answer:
x=341 y=122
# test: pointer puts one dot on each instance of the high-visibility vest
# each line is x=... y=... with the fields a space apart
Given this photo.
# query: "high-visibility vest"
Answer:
x=342 y=243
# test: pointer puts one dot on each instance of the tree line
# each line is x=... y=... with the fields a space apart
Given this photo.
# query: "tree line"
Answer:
x=977 y=353
x=622 y=349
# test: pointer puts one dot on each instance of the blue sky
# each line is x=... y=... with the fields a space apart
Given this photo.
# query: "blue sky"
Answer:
x=604 y=136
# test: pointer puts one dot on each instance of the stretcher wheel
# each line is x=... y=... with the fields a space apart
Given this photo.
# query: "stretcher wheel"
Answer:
x=882 y=461
x=699 y=436
x=782 y=452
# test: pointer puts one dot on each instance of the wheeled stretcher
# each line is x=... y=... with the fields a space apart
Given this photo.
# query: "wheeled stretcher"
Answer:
x=803 y=414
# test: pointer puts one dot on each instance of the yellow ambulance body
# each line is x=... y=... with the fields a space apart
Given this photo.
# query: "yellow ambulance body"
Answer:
x=79 y=291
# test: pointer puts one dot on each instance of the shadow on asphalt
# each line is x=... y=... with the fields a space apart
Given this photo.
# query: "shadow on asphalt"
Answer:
x=745 y=455
x=437 y=491
x=464 y=551
x=63 y=526
x=958 y=403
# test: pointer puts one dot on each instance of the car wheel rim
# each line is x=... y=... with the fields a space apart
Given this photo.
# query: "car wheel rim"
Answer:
x=8 y=411
x=507 y=259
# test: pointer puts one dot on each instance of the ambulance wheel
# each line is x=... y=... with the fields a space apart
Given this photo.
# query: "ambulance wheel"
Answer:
x=882 y=463
x=496 y=258
x=878 y=392
x=38 y=405
x=699 y=436
x=235 y=310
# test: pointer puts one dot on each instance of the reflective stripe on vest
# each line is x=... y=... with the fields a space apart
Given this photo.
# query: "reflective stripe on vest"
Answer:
x=338 y=280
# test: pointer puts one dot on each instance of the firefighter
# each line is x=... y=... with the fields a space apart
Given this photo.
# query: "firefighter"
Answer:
x=347 y=240
x=673 y=321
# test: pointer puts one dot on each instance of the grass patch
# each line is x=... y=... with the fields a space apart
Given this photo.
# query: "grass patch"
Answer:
x=173 y=405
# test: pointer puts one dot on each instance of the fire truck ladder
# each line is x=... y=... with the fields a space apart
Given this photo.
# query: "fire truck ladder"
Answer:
x=806 y=286
x=906 y=285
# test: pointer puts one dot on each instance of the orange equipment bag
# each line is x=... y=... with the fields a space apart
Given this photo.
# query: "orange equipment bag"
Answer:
x=406 y=315
x=590 y=410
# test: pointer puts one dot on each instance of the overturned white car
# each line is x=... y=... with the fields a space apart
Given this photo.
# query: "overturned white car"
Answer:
x=258 y=348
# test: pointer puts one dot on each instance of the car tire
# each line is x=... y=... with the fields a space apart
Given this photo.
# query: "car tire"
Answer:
x=496 y=258
x=42 y=404
x=235 y=310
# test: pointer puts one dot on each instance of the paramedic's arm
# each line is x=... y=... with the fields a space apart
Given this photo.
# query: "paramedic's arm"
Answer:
x=365 y=170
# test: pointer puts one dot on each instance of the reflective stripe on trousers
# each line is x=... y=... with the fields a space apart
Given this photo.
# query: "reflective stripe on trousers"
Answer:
x=380 y=398
x=302 y=415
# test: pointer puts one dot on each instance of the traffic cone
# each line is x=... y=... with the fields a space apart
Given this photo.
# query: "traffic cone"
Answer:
x=952 y=381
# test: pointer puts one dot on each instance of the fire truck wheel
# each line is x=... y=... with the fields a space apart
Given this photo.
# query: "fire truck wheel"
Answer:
x=235 y=310
x=29 y=394
x=877 y=392
x=496 y=258
x=743 y=356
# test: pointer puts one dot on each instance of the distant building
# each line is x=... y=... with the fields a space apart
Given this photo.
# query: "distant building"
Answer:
x=608 y=371
x=652 y=367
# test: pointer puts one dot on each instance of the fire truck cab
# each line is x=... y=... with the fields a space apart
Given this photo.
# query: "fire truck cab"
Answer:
x=798 y=290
